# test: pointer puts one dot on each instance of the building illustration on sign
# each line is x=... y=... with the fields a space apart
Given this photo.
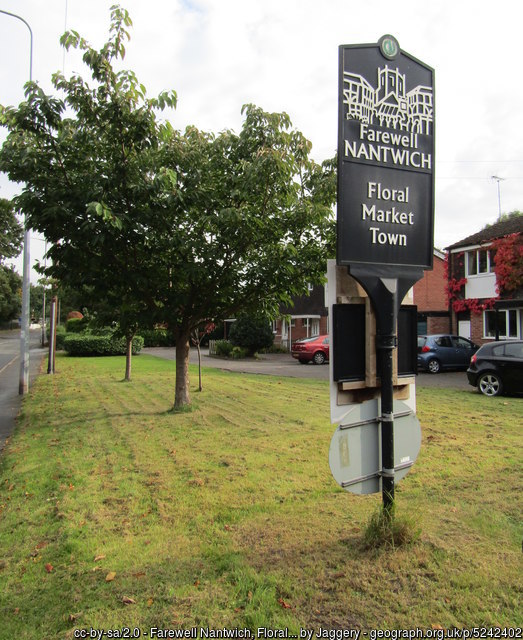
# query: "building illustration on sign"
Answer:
x=389 y=105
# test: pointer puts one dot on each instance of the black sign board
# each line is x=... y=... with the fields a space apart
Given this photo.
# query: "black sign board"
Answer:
x=385 y=157
x=348 y=358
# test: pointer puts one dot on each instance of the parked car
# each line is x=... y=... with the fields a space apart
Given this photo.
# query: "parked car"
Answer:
x=497 y=368
x=444 y=351
x=315 y=349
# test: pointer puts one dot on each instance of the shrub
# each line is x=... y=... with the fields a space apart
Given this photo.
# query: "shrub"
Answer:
x=76 y=325
x=252 y=333
x=60 y=337
x=239 y=352
x=223 y=348
x=157 y=338
x=102 y=345
x=74 y=314
x=100 y=331
x=276 y=348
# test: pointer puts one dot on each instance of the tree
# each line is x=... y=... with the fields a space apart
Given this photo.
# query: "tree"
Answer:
x=91 y=178
x=11 y=231
x=248 y=226
x=160 y=225
x=196 y=340
x=10 y=293
x=11 y=235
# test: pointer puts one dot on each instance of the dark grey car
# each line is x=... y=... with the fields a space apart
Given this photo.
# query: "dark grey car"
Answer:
x=497 y=368
x=444 y=351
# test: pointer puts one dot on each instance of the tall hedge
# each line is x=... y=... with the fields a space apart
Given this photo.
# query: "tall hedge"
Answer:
x=76 y=325
x=157 y=338
x=102 y=345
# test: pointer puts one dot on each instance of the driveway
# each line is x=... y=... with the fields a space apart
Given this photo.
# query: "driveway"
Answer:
x=282 y=364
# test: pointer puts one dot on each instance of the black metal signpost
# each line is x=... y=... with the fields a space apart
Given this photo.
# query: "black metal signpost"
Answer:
x=385 y=213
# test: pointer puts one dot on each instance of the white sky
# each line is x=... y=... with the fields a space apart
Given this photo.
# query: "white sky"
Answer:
x=282 y=55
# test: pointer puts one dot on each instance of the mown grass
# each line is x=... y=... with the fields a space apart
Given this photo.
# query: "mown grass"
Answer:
x=227 y=515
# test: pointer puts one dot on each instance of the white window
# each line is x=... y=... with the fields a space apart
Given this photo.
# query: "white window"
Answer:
x=479 y=261
x=508 y=323
x=311 y=326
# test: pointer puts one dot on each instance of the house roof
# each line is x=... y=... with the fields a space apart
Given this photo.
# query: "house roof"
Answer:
x=514 y=224
x=308 y=306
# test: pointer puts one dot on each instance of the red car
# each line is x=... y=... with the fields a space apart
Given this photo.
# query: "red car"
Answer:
x=314 y=349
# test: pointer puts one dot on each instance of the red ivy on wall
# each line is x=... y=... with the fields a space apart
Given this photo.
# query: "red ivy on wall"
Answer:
x=508 y=263
x=454 y=287
x=473 y=305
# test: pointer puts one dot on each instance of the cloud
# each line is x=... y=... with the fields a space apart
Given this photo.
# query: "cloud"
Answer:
x=283 y=56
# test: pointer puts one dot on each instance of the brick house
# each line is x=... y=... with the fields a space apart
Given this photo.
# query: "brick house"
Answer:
x=306 y=318
x=309 y=315
x=430 y=296
x=485 y=282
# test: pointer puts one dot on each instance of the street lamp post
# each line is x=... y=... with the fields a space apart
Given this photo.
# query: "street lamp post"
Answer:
x=498 y=180
x=24 y=332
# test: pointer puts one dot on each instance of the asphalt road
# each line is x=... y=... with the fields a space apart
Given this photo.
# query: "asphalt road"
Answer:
x=10 y=400
x=281 y=364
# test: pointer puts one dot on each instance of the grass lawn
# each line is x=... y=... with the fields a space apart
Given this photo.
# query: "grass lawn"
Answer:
x=115 y=512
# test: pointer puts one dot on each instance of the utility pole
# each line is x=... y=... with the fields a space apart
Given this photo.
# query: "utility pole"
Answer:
x=24 y=330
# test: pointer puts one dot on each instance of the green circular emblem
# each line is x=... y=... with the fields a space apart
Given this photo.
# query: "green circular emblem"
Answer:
x=389 y=46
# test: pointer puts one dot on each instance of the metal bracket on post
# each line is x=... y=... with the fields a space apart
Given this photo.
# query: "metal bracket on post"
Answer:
x=386 y=294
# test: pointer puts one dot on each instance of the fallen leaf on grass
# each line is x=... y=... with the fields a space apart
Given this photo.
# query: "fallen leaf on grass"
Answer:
x=284 y=604
x=99 y=557
x=49 y=567
x=437 y=626
x=110 y=576
x=127 y=600
x=150 y=602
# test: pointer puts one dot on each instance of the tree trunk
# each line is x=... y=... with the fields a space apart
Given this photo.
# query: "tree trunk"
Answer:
x=128 y=357
x=182 y=396
x=199 y=366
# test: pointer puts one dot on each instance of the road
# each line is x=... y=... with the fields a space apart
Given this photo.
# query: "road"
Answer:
x=282 y=364
x=10 y=400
